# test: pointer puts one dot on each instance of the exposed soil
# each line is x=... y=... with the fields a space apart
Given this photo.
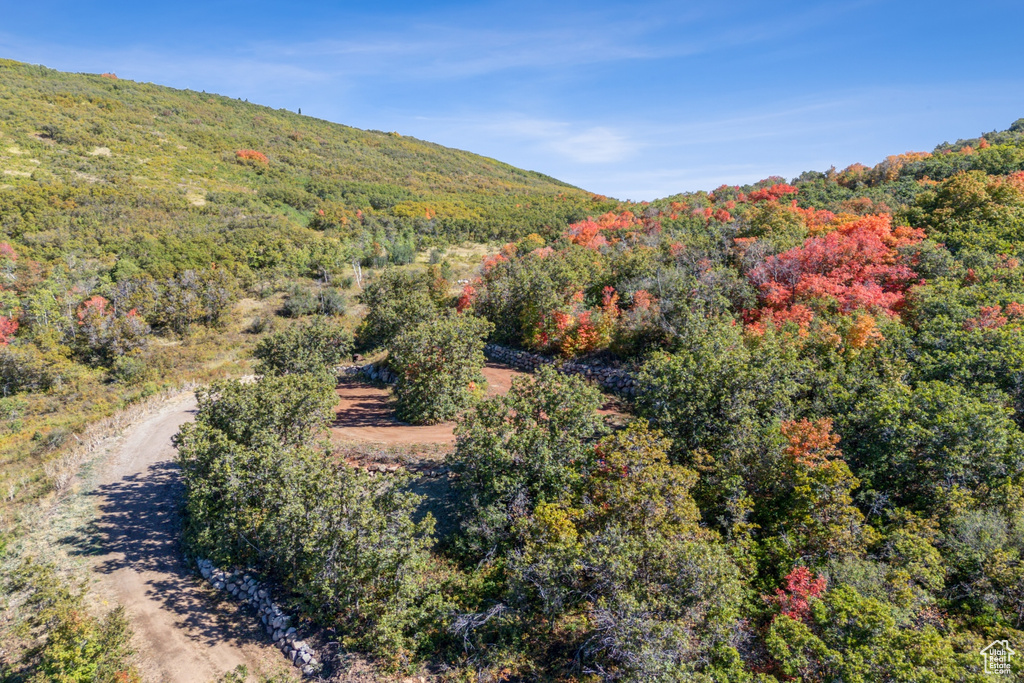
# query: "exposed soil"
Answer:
x=365 y=412
x=183 y=632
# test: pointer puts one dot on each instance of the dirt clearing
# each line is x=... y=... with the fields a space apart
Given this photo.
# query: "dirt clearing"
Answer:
x=365 y=412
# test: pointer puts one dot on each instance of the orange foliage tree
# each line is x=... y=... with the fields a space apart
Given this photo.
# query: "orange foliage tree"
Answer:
x=857 y=265
x=819 y=518
x=594 y=233
x=251 y=156
x=575 y=330
x=772 y=193
x=8 y=326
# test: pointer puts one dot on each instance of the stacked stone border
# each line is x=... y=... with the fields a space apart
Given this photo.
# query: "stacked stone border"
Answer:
x=371 y=371
x=245 y=588
x=242 y=586
x=613 y=380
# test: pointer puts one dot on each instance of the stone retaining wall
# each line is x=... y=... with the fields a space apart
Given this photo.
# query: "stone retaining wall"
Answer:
x=371 y=372
x=610 y=379
x=243 y=587
x=613 y=380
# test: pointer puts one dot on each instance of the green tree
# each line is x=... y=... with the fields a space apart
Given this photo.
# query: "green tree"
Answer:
x=196 y=297
x=972 y=210
x=719 y=398
x=261 y=491
x=314 y=347
x=817 y=518
x=665 y=592
x=395 y=300
x=852 y=638
x=438 y=363
x=528 y=447
x=623 y=559
x=288 y=410
x=74 y=646
x=717 y=389
x=925 y=446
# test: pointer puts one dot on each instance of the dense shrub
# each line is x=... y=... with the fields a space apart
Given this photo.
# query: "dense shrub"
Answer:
x=72 y=644
x=104 y=335
x=317 y=346
x=395 y=300
x=196 y=297
x=251 y=156
x=438 y=365
x=601 y=534
x=527 y=447
x=303 y=301
x=25 y=368
x=130 y=370
x=260 y=491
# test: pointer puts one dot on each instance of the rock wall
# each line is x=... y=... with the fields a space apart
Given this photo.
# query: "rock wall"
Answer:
x=371 y=372
x=245 y=588
x=613 y=380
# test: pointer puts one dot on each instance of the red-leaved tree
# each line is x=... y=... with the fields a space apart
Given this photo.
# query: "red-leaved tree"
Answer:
x=8 y=326
x=466 y=298
x=772 y=193
x=795 y=599
x=857 y=265
x=989 y=318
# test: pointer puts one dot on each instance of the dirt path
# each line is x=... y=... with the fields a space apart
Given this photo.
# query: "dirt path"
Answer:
x=182 y=633
x=365 y=412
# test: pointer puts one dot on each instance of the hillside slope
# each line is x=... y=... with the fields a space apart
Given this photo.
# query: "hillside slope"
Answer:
x=93 y=163
x=127 y=208
x=826 y=480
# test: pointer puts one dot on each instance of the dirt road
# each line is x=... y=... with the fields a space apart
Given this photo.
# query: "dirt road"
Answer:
x=365 y=413
x=183 y=634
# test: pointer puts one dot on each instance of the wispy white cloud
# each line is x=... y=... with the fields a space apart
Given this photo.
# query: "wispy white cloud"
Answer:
x=643 y=158
x=597 y=145
x=626 y=100
x=570 y=141
x=414 y=49
x=542 y=38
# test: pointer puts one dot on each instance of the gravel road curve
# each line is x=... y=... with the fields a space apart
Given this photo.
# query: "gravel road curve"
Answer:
x=183 y=633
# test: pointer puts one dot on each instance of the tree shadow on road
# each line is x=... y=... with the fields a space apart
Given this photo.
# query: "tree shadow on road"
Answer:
x=138 y=529
x=364 y=405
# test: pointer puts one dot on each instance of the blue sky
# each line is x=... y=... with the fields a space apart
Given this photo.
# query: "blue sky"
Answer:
x=634 y=100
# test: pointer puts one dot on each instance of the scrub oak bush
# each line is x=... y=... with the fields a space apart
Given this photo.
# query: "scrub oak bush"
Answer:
x=438 y=364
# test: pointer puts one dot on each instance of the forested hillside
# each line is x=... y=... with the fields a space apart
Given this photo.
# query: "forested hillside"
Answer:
x=822 y=478
x=818 y=477
x=836 y=366
x=134 y=216
x=114 y=145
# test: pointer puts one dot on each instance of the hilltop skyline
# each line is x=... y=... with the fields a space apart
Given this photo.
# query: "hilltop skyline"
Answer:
x=634 y=101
